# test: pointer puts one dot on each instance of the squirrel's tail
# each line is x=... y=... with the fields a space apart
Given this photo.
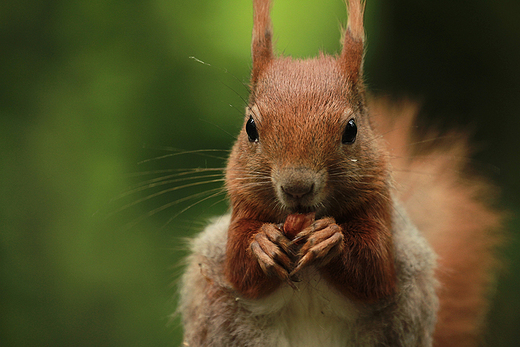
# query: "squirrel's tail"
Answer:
x=451 y=207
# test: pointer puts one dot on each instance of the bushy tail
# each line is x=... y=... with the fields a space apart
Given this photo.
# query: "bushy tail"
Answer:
x=451 y=206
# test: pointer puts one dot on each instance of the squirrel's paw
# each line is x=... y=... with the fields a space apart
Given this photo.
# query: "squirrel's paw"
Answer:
x=271 y=249
x=324 y=242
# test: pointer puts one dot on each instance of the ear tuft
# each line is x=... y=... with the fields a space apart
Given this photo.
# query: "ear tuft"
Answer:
x=356 y=9
x=351 y=59
x=261 y=46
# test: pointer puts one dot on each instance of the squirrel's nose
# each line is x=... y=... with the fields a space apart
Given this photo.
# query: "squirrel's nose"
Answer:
x=298 y=189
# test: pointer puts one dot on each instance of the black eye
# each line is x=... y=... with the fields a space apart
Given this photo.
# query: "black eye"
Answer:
x=349 y=135
x=252 y=133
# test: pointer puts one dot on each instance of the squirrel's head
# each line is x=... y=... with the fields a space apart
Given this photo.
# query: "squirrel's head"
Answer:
x=307 y=143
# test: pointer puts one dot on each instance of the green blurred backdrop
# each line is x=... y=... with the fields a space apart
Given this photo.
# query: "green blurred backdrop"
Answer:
x=91 y=89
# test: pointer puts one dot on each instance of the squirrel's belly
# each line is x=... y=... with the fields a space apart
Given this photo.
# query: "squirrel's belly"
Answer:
x=315 y=315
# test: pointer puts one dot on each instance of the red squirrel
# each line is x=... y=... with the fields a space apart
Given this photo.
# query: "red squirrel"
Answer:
x=340 y=232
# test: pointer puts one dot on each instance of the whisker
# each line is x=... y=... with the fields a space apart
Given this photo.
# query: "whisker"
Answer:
x=161 y=193
x=218 y=201
x=237 y=93
x=246 y=180
x=165 y=206
x=237 y=109
x=219 y=127
x=201 y=152
x=177 y=178
x=162 y=181
x=174 y=149
x=221 y=191
x=180 y=172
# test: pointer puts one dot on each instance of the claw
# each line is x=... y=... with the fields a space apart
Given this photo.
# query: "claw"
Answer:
x=268 y=247
x=323 y=244
x=277 y=237
x=305 y=233
x=304 y=261
x=298 y=238
x=291 y=283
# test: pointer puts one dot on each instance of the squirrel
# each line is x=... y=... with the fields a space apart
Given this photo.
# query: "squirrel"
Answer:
x=341 y=233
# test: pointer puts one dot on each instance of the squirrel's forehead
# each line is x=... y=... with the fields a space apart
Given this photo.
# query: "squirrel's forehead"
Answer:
x=300 y=87
x=300 y=92
x=286 y=78
x=300 y=109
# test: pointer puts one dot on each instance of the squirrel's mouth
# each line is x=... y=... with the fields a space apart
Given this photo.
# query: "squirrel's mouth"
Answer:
x=303 y=209
x=298 y=204
x=307 y=203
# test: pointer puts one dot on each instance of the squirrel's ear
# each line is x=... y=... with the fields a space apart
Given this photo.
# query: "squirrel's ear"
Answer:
x=261 y=46
x=351 y=58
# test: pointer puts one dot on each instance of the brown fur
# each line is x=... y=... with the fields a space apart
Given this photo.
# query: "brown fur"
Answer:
x=451 y=207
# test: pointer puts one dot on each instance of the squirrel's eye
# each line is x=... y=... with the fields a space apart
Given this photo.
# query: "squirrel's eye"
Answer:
x=349 y=135
x=252 y=133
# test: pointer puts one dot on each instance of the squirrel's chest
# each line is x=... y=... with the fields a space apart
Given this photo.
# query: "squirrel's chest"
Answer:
x=315 y=315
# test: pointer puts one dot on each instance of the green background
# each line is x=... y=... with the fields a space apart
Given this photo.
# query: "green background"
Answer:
x=91 y=89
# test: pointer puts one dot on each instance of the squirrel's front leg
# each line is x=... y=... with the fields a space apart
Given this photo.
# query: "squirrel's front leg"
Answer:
x=356 y=257
x=258 y=257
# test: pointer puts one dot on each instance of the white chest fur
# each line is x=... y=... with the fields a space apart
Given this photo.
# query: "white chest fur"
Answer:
x=314 y=315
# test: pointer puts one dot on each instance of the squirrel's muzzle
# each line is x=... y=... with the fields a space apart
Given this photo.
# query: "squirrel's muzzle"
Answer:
x=298 y=187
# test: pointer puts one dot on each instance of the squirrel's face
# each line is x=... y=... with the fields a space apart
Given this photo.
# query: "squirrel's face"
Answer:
x=306 y=143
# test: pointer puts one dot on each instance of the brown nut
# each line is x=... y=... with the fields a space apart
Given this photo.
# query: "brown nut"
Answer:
x=297 y=222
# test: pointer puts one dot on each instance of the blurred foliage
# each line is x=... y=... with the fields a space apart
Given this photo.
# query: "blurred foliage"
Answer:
x=91 y=92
